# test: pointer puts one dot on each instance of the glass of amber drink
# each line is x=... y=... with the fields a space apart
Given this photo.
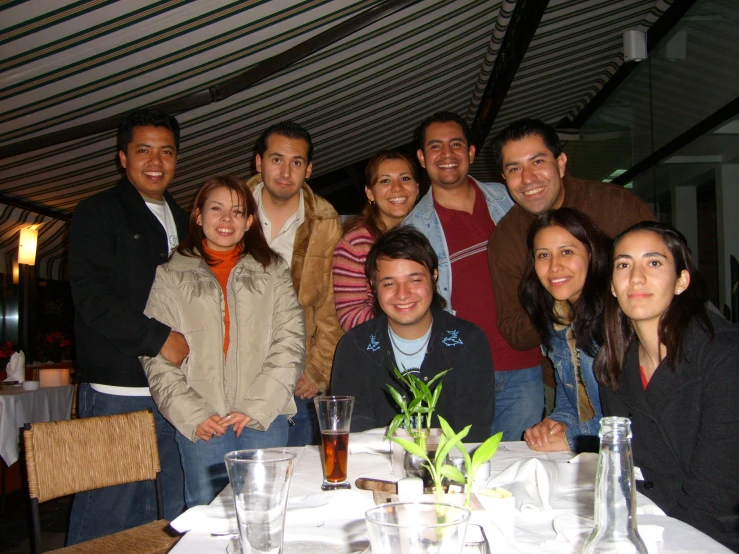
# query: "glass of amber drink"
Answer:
x=334 y=419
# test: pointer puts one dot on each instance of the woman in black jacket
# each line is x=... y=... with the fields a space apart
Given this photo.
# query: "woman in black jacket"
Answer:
x=673 y=368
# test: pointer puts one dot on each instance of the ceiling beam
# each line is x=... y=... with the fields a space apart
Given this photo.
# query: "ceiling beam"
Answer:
x=216 y=93
x=35 y=208
x=521 y=29
x=655 y=34
x=718 y=117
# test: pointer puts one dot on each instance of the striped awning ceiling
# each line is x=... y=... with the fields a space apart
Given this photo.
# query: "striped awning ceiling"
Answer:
x=66 y=63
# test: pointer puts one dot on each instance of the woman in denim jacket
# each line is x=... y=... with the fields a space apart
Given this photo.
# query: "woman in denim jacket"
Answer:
x=563 y=292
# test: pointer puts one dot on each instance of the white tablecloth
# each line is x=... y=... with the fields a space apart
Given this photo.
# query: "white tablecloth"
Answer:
x=19 y=406
x=534 y=530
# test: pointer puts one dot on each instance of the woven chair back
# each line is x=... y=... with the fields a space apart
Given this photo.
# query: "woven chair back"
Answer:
x=65 y=457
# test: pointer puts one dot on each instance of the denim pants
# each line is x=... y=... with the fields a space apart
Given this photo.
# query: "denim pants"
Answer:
x=205 y=469
x=305 y=430
x=111 y=509
x=519 y=401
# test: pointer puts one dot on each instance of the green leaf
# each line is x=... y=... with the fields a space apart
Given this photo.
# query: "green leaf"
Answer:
x=446 y=428
x=451 y=472
x=412 y=447
x=486 y=450
x=399 y=400
x=394 y=425
x=438 y=377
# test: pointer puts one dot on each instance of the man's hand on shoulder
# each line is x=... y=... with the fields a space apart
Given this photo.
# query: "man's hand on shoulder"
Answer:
x=175 y=348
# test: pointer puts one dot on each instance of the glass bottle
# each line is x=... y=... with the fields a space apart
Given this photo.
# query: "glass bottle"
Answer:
x=615 y=501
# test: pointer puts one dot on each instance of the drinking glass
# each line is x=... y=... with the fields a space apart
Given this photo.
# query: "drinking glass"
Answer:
x=334 y=419
x=260 y=480
x=417 y=528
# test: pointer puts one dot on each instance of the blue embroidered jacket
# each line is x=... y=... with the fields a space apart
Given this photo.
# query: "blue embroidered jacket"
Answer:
x=363 y=367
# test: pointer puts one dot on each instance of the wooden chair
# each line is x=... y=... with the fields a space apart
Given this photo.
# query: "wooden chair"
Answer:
x=65 y=457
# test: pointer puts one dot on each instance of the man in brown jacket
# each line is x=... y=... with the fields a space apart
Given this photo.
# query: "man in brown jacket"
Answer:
x=304 y=229
x=533 y=163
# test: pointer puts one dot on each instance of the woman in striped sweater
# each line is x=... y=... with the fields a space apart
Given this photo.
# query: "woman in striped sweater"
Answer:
x=392 y=191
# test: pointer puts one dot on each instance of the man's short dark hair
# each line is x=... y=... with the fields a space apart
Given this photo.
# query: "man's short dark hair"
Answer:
x=523 y=128
x=148 y=117
x=403 y=243
x=288 y=129
x=441 y=117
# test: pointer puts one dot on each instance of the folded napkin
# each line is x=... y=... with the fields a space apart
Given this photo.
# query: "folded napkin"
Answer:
x=305 y=511
x=369 y=442
x=16 y=368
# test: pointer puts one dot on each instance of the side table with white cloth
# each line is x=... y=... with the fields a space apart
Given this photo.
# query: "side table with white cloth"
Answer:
x=553 y=492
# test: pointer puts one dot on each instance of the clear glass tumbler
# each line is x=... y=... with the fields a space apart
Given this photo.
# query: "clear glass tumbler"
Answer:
x=417 y=528
x=334 y=419
x=260 y=480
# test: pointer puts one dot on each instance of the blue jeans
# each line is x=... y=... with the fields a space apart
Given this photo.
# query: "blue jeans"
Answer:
x=305 y=431
x=111 y=509
x=519 y=401
x=205 y=469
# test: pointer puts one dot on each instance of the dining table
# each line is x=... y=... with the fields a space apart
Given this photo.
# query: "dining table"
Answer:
x=19 y=406
x=551 y=510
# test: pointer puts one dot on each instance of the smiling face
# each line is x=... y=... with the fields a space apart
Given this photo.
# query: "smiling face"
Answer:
x=561 y=263
x=445 y=154
x=644 y=276
x=533 y=175
x=223 y=219
x=405 y=290
x=395 y=190
x=284 y=166
x=150 y=160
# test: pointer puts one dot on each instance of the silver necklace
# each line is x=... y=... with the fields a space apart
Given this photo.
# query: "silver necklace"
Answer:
x=409 y=354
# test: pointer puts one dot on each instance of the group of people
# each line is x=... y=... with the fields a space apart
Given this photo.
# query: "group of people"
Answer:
x=229 y=323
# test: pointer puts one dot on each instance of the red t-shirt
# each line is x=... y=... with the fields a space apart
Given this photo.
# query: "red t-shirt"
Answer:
x=473 y=298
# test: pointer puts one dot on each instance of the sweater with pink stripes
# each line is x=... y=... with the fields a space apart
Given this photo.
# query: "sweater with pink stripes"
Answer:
x=352 y=292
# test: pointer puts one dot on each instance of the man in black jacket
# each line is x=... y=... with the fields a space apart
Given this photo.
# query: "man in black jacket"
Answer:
x=117 y=239
x=413 y=332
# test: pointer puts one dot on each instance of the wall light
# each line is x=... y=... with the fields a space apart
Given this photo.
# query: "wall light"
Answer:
x=16 y=273
x=27 y=246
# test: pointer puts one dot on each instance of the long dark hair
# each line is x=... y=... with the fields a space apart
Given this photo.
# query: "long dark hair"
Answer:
x=253 y=242
x=403 y=243
x=673 y=324
x=370 y=216
x=587 y=311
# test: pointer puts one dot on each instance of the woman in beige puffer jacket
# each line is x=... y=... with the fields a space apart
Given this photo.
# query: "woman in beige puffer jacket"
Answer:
x=235 y=388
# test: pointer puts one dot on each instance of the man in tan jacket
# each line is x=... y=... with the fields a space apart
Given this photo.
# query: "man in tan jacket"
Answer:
x=304 y=229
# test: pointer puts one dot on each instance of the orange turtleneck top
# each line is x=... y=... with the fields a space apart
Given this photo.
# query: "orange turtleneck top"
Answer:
x=223 y=263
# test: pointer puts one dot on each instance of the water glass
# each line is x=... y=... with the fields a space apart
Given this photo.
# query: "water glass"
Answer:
x=260 y=480
x=417 y=528
x=334 y=419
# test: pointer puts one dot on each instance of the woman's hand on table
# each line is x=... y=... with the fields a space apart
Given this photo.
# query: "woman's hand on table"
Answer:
x=547 y=436
x=237 y=419
x=211 y=427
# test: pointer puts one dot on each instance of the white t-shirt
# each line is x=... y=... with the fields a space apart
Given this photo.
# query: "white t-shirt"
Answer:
x=414 y=361
x=284 y=242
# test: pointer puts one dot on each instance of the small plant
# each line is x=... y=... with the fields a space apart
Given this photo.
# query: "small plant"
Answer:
x=415 y=415
x=437 y=469
x=471 y=463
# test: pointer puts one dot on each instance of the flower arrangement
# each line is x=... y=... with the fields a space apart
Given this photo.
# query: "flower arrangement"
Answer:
x=53 y=347
x=6 y=351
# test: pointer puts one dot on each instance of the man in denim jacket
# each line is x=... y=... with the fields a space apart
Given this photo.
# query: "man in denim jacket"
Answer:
x=457 y=215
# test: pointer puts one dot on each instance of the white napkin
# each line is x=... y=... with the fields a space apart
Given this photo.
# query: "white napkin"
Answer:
x=369 y=442
x=16 y=368
x=305 y=511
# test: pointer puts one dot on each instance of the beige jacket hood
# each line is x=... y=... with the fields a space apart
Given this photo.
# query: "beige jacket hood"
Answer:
x=266 y=351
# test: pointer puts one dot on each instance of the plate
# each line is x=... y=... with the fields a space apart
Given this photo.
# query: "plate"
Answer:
x=315 y=540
